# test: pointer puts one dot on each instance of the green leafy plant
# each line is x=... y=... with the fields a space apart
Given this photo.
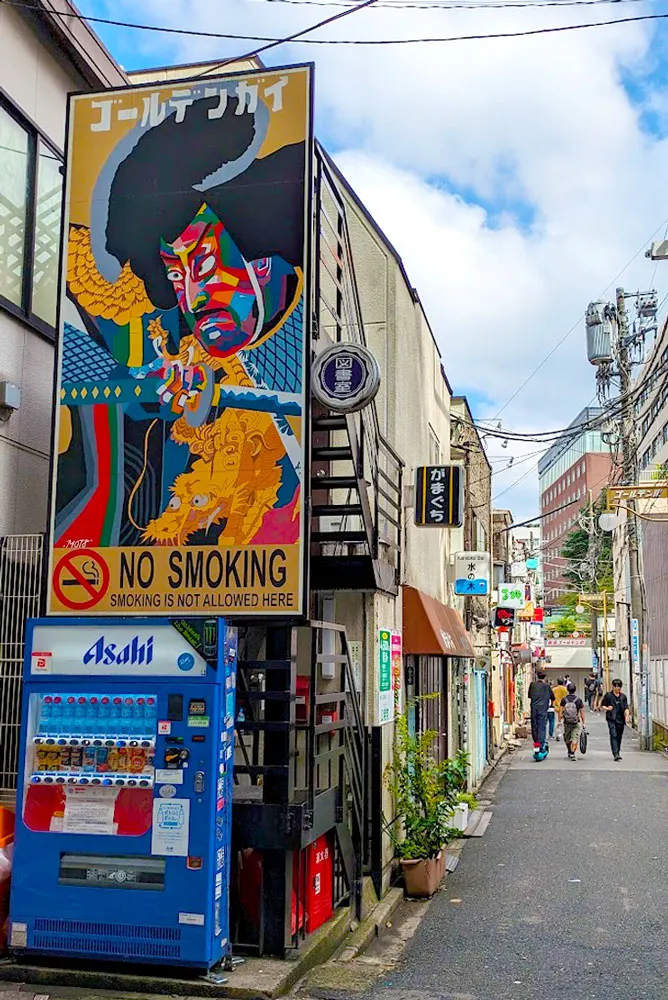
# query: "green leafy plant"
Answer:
x=425 y=793
x=469 y=798
x=660 y=742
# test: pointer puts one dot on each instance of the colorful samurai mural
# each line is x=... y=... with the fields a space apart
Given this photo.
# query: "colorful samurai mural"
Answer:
x=179 y=470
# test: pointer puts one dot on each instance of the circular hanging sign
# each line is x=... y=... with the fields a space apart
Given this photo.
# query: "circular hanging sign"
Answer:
x=345 y=377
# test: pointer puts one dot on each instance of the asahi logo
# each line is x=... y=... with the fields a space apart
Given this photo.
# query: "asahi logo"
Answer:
x=134 y=653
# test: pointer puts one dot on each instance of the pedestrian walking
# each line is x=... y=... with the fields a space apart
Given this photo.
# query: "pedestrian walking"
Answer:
x=572 y=712
x=598 y=697
x=560 y=691
x=551 y=721
x=540 y=697
x=590 y=690
x=616 y=706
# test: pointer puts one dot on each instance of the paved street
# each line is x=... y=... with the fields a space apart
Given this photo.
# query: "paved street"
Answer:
x=566 y=895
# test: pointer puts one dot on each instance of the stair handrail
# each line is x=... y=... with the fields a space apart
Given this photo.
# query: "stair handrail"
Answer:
x=369 y=425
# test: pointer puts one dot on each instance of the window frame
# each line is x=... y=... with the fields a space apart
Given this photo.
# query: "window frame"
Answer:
x=35 y=136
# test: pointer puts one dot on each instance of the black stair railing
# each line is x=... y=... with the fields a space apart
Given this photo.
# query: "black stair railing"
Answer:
x=365 y=498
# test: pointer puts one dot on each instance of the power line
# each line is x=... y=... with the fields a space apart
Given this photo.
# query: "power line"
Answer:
x=521 y=4
x=296 y=37
x=573 y=430
x=532 y=520
x=272 y=41
x=579 y=320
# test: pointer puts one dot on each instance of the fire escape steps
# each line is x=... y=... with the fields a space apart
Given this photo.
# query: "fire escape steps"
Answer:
x=334 y=483
x=336 y=510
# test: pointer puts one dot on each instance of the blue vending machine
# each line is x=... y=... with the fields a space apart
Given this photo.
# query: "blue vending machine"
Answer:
x=123 y=819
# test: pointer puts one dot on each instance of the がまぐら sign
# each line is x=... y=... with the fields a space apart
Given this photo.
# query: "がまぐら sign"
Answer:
x=439 y=496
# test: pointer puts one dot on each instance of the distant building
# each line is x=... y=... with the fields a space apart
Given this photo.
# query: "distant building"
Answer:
x=578 y=464
x=501 y=550
x=651 y=410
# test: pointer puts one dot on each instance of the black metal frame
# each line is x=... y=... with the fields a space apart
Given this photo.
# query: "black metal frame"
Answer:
x=24 y=312
x=368 y=555
x=298 y=779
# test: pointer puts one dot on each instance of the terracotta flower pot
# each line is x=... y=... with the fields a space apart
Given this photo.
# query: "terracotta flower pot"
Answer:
x=422 y=877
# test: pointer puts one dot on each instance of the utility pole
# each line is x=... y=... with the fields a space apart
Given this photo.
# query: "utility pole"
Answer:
x=629 y=474
x=614 y=348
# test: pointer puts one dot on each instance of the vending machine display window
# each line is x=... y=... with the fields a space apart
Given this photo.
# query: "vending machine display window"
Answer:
x=89 y=762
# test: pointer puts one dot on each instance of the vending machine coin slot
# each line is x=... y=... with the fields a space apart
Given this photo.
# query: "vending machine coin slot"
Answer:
x=172 y=758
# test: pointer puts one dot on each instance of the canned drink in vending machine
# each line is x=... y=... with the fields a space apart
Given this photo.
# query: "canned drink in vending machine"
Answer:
x=210 y=639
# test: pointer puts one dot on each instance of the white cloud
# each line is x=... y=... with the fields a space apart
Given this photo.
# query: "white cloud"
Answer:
x=539 y=132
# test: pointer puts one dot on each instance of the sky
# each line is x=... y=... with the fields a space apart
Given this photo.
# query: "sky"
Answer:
x=518 y=178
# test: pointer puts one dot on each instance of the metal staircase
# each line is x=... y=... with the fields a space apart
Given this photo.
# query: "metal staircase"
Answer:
x=299 y=769
x=356 y=476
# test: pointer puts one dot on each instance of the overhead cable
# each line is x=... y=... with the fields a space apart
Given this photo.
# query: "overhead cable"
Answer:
x=408 y=5
x=594 y=423
x=580 y=320
x=273 y=41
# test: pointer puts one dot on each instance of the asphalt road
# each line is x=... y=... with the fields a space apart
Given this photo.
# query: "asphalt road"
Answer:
x=566 y=895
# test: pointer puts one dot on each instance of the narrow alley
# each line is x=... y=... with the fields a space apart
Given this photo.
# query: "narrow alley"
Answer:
x=564 y=896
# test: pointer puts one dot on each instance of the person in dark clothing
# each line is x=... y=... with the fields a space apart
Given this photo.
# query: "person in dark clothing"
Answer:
x=615 y=704
x=541 y=697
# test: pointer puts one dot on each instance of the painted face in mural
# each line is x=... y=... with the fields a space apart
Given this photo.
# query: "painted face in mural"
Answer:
x=221 y=295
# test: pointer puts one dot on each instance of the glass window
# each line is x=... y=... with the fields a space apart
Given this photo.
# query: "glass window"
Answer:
x=30 y=216
x=47 y=236
x=13 y=206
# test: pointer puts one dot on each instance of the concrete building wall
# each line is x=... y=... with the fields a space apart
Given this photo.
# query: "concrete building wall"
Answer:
x=414 y=398
x=476 y=534
x=651 y=408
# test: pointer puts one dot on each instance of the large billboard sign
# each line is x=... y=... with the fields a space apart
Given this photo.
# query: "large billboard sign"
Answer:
x=182 y=385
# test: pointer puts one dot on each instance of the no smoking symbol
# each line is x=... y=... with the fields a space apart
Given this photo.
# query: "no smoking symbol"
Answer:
x=81 y=579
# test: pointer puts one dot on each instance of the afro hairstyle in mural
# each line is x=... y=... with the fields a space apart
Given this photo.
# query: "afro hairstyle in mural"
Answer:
x=176 y=167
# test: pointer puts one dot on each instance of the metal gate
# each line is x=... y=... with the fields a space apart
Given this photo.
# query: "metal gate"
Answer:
x=20 y=598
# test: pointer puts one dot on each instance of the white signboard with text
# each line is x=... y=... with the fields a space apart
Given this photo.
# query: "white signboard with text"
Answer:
x=110 y=650
x=511 y=595
x=472 y=573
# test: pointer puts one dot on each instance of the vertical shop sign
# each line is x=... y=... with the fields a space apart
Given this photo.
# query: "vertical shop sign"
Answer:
x=385 y=692
x=397 y=678
x=439 y=496
x=390 y=675
x=635 y=645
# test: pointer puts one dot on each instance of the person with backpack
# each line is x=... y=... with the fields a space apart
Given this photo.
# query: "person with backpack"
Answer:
x=573 y=717
x=560 y=692
x=616 y=707
x=541 y=697
x=590 y=690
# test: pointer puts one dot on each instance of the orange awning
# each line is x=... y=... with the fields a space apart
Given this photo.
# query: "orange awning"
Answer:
x=431 y=628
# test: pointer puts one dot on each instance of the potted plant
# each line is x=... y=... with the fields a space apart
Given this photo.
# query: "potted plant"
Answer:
x=425 y=796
